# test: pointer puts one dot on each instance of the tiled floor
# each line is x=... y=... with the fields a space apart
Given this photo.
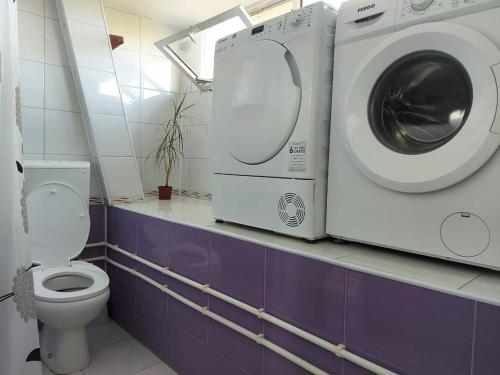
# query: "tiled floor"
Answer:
x=114 y=351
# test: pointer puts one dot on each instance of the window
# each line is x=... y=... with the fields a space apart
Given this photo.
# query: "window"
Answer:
x=333 y=3
x=193 y=50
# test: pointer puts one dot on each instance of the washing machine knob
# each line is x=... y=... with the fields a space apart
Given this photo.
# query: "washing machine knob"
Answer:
x=419 y=5
x=296 y=21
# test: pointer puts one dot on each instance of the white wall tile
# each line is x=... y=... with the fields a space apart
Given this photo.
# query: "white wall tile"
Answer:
x=51 y=9
x=200 y=142
x=203 y=111
x=91 y=46
x=131 y=98
x=32 y=157
x=65 y=133
x=88 y=11
x=135 y=135
x=152 y=176
x=122 y=176
x=32 y=92
x=151 y=136
x=158 y=73
x=128 y=67
x=55 y=51
x=31 y=36
x=111 y=134
x=33 y=6
x=126 y=25
x=60 y=92
x=199 y=175
x=156 y=106
x=101 y=92
x=151 y=32
x=179 y=178
x=32 y=120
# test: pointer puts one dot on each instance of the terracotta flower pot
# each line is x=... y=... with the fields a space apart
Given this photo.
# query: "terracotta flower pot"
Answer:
x=165 y=192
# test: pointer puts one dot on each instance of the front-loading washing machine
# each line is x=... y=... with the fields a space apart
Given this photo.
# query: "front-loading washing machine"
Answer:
x=271 y=121
x=416 y=128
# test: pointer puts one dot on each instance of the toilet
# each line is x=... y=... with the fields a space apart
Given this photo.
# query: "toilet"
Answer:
x=69 y=294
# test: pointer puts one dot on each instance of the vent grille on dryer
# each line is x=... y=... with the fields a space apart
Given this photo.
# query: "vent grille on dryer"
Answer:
x=287 y=200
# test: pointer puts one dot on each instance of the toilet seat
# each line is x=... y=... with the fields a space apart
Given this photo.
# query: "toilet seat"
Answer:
x=59 y=224
x=78 y=269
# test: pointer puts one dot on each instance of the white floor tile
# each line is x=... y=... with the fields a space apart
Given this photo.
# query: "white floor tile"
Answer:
x=159 y=369
x=101 y=335
x=126 y=357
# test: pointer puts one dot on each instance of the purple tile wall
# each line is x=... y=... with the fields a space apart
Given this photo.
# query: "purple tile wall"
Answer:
x=152 y=239
x=302 y=348
x=411 y=330
x=307 y=293
x=97 y=218
x=122 y=228
x=189 y=252
x=487 y=340
x=92 y=252
x=237 y=268
x=408 y=329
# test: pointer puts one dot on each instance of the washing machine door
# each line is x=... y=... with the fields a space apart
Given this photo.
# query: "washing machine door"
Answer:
x=422 y=108
x=262 y=96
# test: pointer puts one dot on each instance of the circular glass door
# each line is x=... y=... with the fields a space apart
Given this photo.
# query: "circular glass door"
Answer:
x=262 y=97
x=420 y=102
x=420 y=106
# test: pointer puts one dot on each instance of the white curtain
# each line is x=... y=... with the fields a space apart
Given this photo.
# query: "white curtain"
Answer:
x=18 y=327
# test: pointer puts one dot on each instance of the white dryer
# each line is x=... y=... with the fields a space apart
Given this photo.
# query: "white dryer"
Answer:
x=416 y=128
x=272 y=102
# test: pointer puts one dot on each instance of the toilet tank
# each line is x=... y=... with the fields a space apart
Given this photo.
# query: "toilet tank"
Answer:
x=73 y=173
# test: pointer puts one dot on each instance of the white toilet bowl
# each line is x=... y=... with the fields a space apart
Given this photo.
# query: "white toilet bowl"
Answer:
x=67 y=299
x=69 y=294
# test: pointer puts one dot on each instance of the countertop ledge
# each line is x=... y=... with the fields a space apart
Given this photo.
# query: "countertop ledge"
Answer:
x=465 y=281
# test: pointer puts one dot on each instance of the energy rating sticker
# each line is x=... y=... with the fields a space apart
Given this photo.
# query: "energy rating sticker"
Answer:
x=297 y=156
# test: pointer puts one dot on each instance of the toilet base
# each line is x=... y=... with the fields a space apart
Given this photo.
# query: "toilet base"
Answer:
x=64 y=351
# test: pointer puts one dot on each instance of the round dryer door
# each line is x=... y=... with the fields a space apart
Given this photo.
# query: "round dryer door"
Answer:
x=422 y=109
x=58 y=222
x=263 y=101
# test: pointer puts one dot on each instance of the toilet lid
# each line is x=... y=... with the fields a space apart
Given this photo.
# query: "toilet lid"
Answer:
x=59 y=224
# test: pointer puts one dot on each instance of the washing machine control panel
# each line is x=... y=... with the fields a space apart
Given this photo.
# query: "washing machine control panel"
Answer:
x=436 y=9
x=412 y=8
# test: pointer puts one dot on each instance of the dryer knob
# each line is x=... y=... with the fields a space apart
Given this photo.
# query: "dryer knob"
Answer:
x=420 y=5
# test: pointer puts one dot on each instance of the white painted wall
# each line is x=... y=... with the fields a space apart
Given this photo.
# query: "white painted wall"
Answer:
x=51 y=113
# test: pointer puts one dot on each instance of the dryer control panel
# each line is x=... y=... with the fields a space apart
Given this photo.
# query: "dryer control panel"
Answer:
x=288 y=26
x=292 y=22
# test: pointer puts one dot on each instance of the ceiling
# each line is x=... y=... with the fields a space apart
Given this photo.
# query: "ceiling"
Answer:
x=178 y=14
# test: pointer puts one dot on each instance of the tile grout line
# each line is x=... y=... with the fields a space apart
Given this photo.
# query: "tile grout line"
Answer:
x=474 y=320
x=471 y=280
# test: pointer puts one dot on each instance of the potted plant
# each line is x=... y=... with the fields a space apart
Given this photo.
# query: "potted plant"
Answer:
x=171 y=145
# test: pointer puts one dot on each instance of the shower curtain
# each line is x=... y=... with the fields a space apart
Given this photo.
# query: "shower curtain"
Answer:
x=19 y=353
